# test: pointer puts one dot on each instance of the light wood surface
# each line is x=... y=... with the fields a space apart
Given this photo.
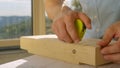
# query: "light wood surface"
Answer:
x=87 y=51
x=38 y=17
x=43 y=62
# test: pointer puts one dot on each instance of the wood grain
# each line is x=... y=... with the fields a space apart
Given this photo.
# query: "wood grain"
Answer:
x=87 y=51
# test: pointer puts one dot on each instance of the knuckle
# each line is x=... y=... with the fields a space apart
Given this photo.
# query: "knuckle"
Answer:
x=71 y=14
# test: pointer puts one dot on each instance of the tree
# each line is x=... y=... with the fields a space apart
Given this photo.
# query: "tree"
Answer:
x=16 y=30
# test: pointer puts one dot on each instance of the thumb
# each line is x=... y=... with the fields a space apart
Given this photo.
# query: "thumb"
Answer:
x=109 y=34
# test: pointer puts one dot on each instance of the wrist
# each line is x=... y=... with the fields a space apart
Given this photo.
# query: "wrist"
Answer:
x=65 y=9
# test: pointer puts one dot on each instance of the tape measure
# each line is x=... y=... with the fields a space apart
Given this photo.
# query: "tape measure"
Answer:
x=81 y=28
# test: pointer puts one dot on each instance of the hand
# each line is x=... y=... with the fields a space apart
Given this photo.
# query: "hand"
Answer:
x=63 y=25
x=111 y=52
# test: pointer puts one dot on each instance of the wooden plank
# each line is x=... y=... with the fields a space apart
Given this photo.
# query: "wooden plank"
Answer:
x=9 y=42
x=87 y=51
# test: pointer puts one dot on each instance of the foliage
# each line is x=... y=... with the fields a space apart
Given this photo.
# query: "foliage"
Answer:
x=48 y=25
x=16 y=30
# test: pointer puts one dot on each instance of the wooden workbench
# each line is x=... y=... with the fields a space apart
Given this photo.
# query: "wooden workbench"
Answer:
x=43 y=62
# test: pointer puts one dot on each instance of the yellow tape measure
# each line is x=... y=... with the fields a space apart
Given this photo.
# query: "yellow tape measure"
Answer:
x=80 y=26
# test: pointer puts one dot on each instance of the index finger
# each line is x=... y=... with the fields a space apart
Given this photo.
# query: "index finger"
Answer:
x=86 y=20
x=109 y=34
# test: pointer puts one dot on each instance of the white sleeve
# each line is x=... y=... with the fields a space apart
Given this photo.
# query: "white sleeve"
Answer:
x=70 y=4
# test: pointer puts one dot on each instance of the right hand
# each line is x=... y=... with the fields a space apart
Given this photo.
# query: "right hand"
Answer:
x=63 y=25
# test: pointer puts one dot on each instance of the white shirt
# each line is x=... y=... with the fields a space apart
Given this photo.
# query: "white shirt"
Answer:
x=102 y=14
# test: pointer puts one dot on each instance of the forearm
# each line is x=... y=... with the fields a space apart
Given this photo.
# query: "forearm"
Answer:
x=54 y=8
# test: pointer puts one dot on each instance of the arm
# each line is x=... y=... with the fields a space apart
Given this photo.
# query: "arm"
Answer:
x=53 y=7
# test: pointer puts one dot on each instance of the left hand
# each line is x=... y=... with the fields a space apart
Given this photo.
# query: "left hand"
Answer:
x=111 y=52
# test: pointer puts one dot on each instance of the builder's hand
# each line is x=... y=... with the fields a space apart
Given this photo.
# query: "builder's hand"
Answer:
x=63 y=25
x=112 y=52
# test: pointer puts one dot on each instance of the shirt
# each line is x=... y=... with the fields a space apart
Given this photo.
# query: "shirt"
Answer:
x=102 y=14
